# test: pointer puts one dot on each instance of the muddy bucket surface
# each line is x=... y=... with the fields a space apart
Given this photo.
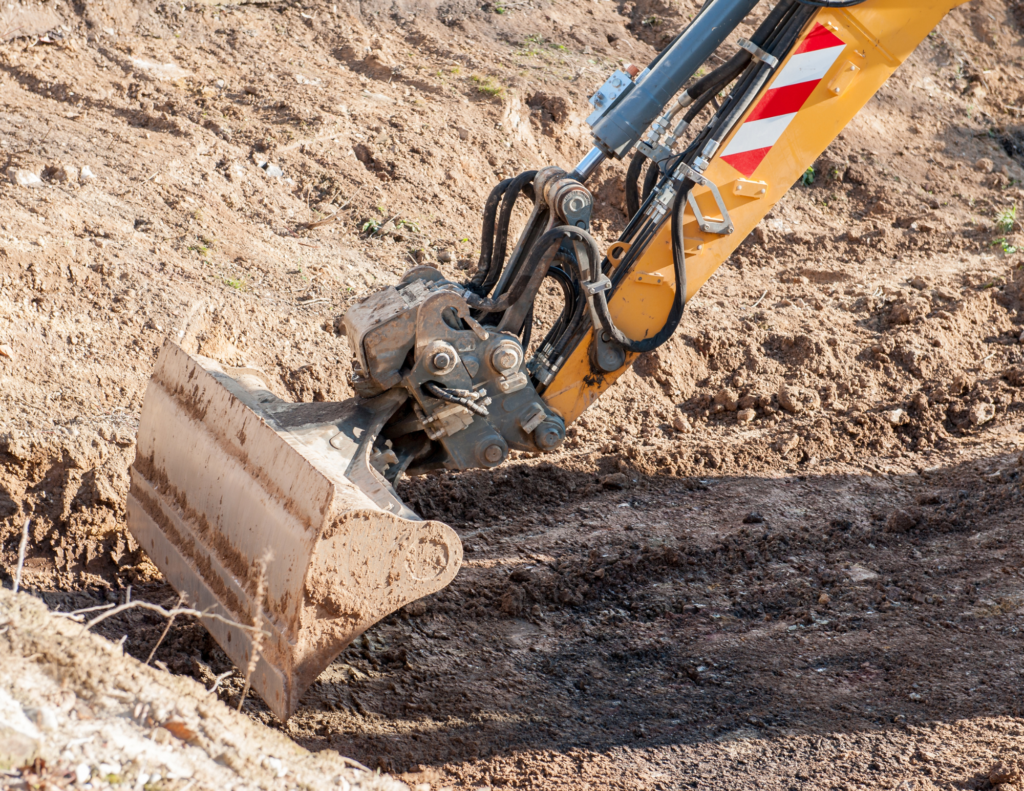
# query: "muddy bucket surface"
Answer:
x=226 y=472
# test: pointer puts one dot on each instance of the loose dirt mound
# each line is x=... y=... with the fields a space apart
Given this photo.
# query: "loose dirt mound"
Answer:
x=784 y=549
x=74 y=710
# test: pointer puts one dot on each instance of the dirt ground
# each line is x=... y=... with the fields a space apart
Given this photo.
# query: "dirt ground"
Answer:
x=809 y=573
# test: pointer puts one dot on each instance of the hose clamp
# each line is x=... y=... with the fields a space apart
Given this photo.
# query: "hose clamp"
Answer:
x=602 y=285
x=757 y=53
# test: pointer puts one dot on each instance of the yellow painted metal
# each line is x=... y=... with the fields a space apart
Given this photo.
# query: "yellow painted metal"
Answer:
x=880 y=35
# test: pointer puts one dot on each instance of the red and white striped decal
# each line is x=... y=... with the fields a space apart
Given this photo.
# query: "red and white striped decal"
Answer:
x=779 y=105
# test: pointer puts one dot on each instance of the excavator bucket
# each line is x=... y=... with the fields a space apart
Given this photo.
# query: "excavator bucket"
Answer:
x=226 y=472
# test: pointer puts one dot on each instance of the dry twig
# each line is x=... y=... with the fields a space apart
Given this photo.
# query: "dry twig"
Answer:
x=170 y=623
x=217 y=680
x=257 y=624
x=145 y=605
x=21 y=554
x=311 y=225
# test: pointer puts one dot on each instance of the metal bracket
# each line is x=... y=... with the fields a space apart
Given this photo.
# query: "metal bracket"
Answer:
x=658 y=155
x=721 y=228
x=758 y=53
x=604 y=284
x=606 y=95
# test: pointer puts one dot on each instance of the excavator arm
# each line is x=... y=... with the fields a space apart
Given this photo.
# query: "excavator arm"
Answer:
x=282 y=519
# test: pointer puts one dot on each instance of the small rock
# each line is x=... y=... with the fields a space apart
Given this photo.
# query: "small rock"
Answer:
x=1005 y=772
x=753 y=518
x=62 y=173
x=16 y=748
x=273 y=171
x=445 y=257
x=787 y=443
x=465 y=264
x=745 y=415
x=897 y=417
x=823 y=599
x=6 y=351
x=909 y=312
x=161 y=735
x=24 y=178
x=797 y=399
x=919 y=283
x=984 y=165
x=727 y=399
x=617 y=480
x=749 y=402
x=901 y=521
x=86 y=174
x=463 y=133
x=915 y=696
x=981 y=413
x=919 y=402
x=82 y=774
x=416 y=608
x=682 y=424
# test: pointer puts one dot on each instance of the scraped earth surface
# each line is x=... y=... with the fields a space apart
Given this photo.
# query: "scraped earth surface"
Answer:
x=783 y=551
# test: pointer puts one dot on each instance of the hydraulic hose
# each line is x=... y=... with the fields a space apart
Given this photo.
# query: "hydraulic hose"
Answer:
x=487 y=237
x=636 y=165
x=675 y=314
x=782 y=16
x=501 y=241
x=529 y=277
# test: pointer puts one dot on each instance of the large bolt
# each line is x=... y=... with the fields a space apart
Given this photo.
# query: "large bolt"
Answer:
x=505 y=359
x=548 y=436
x=441 y=361
x=494 y=453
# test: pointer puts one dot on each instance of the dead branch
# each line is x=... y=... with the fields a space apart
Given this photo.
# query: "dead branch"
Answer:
x=168 y=614
x=257 y=624
x=21 y=554
x=170 y=623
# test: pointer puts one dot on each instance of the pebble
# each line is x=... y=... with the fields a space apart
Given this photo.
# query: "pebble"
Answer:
x=445 y=257
x=682 y=424
x=823 y=599
x=897 y=417
x=24 y=178
x=16 y=748
x=6 y=351
x=981 y=413
x=984 y=165
x=796 y=399
x=745 y=415
x=787 y=443
x=86 y=174
x=753 y=518
x=274 y=171
x=727 y=399
x=617 y=480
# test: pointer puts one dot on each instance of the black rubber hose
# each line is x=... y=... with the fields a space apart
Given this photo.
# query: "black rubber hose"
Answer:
x=530 y=276
x=636 y=165
x=445 y=394
x=675 y=314
x=721 y=76
x=504 y=219
x=487 y=237
x=527 y=330
x=650 y=180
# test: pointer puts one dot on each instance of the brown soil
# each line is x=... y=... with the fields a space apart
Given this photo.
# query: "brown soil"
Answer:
x=782 y=552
